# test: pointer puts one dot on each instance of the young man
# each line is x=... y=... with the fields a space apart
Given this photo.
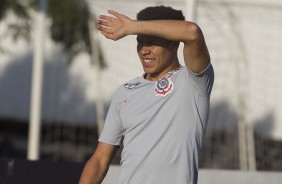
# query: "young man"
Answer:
x=159 y=118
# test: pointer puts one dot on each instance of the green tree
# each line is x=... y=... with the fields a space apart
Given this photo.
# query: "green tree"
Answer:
x=13 y=5
x=69 y=23
x=21 y=29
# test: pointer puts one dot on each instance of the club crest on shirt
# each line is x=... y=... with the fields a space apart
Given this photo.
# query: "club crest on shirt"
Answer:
x=163 y=86
x=131 y=85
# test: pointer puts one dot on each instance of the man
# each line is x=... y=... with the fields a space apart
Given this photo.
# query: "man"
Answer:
x=159 y=118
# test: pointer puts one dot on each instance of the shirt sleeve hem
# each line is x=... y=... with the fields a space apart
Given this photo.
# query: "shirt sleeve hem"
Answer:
x=107 y=141
x=201 y=73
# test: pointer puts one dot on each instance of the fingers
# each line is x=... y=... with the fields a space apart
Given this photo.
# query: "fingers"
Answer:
x=105 y=20
x=114 y=13
x=104 y=23
x=111 y=27
x=108 y=18
x=104 y=29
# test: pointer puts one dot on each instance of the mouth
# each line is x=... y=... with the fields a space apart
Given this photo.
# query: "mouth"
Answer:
x=148 y=60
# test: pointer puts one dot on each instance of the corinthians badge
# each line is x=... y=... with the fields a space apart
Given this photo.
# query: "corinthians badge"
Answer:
x=163 y=87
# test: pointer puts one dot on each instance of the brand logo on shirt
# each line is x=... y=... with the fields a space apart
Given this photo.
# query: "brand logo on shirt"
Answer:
x=131 y=85
x=163 y=87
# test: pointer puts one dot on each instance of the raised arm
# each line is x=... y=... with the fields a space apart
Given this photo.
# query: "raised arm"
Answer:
x=195 y=52
x=97 y=166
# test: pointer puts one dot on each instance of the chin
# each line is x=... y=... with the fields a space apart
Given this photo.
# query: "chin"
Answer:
x=150 y=72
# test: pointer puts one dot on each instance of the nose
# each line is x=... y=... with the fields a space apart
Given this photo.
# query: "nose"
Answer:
x=144 y=50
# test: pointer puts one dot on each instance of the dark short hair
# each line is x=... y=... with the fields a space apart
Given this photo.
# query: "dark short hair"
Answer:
x=160 y=13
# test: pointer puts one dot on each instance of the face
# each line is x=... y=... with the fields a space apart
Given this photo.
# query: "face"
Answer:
x=158 y=56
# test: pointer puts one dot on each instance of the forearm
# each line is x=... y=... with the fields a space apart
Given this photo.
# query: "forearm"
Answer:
x=173 y=30
x=195 y=52
x=93 y=172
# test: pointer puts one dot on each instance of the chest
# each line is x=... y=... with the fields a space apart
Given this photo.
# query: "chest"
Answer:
x=145 y=106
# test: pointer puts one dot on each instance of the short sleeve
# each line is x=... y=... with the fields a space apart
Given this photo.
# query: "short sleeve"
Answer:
x=112 y=131
x=203 y=82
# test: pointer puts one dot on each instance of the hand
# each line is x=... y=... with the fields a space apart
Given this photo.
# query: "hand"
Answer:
x=114 y=28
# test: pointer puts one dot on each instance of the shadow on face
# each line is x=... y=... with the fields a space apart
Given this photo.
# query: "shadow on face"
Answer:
x=146 y=40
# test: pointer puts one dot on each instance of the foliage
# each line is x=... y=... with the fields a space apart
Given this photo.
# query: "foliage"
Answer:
x=69 y=22
x=70 y=25
x=18 y=8
x=21 y=28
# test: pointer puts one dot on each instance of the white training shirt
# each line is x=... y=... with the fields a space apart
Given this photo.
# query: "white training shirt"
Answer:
x=161 y=125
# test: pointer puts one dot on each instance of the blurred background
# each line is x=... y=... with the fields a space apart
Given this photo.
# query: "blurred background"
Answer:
x=58 y=75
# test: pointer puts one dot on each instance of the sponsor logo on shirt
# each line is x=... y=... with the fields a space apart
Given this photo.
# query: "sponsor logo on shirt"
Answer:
x=132 y=85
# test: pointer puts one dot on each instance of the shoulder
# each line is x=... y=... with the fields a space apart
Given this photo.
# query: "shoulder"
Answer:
x=202 y=82
x=133 y=83
x=122 y=90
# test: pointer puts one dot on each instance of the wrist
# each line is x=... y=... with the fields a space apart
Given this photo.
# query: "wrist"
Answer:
x=134 y=27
